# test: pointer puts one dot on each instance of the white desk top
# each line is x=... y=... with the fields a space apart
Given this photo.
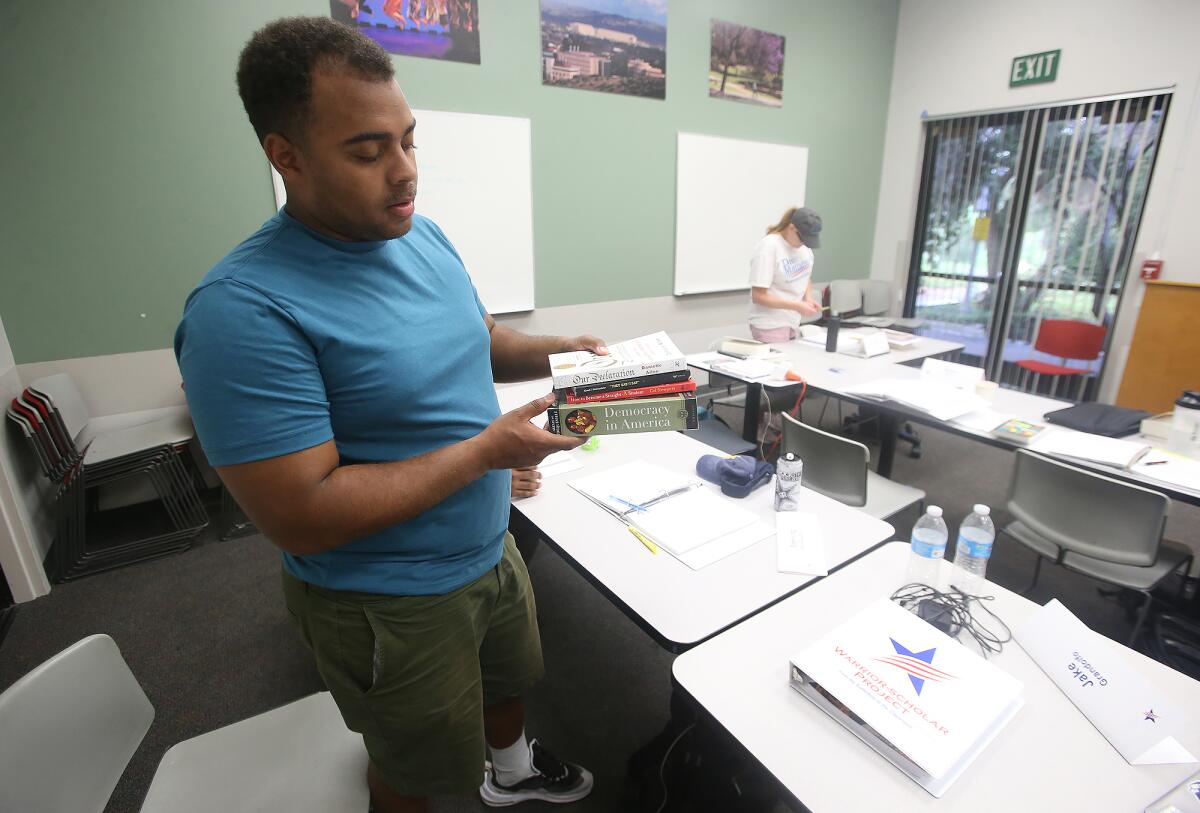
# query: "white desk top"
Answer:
x=835 y=373
x=1048 y=758
x=679 y=605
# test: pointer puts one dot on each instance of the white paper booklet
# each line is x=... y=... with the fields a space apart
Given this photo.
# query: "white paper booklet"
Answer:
x=1094 y=673
x=1094 y=448
x=646 y=355
x=677 y=512
x=922 y=700
x=943 y=401
x=799 y=546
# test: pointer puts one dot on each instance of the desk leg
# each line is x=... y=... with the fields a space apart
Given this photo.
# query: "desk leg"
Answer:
x=750 y=419
x=887 y=443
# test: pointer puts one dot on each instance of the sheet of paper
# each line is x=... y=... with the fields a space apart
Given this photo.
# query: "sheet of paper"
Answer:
x=1168 y=467
x=718 y=549
x=982 y=420
x=941 y=400
x=747 y=368
x=1096 y=675
x=558 y=463
x=1085 y=446
x=799 y=546
x=962 y=376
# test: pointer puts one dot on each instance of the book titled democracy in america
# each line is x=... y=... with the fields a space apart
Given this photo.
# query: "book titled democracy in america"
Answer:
x=669 y=414
x=918 y=697
x=644 y=356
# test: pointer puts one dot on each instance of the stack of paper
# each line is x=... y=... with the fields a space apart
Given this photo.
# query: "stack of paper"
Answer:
x=1094 y=448
x=1166 y=467
x=942 y=401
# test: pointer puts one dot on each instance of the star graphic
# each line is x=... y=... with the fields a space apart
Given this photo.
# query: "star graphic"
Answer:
x=1151 y=716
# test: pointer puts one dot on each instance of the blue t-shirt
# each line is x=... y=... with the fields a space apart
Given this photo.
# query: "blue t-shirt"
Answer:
x=295 y=338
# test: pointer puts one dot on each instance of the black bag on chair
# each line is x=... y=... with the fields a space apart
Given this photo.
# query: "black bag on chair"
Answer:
x=1100 y=419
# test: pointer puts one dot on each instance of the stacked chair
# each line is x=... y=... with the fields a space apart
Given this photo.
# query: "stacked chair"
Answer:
x=77 y=453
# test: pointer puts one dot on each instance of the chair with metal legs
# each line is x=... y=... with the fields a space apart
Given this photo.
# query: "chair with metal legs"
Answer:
x=1093 y=525
x=1069 y=339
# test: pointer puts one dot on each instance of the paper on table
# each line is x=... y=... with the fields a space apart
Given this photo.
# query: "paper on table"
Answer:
x=1175 y=469
x=939 y=399
x=739 y=540
x=747 y=368
x=677 y=523
x=982 y=420
x=1095 y=674
x=1085 y=446
x=558 y=463
x=799 y=547
x=962 y=376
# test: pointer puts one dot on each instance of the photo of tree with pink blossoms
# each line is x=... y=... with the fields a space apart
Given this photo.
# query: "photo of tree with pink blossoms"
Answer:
x=745 y=64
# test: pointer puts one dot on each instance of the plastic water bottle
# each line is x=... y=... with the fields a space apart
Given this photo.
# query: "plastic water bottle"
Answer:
x=929 y=537
x=974 y=547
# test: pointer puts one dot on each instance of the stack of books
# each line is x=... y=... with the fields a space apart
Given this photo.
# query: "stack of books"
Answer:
x=642 y=385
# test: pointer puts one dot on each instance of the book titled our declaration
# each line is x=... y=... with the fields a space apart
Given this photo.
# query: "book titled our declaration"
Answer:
x=643 y=356
x=582 y=392
x=669 y=414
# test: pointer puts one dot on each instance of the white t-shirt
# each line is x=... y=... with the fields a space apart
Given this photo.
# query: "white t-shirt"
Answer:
x=783 y=271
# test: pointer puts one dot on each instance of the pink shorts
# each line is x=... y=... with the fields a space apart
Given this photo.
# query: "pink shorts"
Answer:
x=775 y=334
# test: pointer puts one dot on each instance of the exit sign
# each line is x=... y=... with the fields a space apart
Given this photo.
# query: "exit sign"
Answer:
x=1034 y=68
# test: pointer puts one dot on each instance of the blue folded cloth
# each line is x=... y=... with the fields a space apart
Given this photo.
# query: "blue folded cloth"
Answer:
x=737 y=475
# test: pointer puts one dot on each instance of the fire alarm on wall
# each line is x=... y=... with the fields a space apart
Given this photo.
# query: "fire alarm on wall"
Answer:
x=1151 y=269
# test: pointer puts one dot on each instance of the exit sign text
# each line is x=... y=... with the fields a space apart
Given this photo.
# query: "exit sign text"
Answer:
x=1034 y=68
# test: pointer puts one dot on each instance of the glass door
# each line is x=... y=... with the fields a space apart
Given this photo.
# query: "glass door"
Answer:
x=1026 y=216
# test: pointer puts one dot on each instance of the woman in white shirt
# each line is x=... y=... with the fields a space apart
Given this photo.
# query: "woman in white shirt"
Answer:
x=781 y=276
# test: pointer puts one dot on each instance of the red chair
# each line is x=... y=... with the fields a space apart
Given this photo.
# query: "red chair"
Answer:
x=1067 y=339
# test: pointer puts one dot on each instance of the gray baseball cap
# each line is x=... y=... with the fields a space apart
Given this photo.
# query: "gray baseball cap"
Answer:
x=808 y=223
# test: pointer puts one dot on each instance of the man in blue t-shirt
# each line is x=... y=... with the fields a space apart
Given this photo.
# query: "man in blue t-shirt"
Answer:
x=340 y=371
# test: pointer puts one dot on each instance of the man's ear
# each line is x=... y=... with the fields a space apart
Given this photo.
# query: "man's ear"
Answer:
x=283 y=155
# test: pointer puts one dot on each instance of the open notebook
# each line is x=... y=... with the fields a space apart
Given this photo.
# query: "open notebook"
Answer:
x=677 y=512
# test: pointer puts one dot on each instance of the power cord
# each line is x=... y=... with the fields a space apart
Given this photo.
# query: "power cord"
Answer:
x=794 y=412
x=951 y=612
x=663 y=765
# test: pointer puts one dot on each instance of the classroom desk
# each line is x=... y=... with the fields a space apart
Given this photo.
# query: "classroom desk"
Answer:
x=833 y=375
x=829 y=373
x=677 y=606
x=1049 y=757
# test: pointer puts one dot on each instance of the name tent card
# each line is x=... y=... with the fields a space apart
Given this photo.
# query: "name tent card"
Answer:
x=1131 y=713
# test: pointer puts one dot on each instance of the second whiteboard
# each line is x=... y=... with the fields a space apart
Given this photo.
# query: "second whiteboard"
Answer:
x=727 y=191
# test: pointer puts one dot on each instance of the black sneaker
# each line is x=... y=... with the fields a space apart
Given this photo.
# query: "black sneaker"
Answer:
x=553 y=781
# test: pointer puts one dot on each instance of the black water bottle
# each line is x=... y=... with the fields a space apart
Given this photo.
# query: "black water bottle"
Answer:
x=831 y=331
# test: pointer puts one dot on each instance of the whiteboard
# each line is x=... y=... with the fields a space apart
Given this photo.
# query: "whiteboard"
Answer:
x=475 y=180
x=727 y=191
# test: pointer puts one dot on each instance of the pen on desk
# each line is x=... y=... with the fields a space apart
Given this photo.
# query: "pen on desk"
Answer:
x=645 y=540
x=632 y=506
x=1157 y=462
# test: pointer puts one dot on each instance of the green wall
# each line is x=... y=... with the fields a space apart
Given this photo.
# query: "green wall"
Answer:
x=129 y=168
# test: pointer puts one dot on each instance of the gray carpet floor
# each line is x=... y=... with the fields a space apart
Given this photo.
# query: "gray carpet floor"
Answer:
x=207 y=635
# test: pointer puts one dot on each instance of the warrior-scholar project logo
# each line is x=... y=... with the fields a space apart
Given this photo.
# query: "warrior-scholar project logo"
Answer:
x=918 y=665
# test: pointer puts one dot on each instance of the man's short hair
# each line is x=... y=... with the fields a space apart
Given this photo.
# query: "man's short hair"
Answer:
x=274 y=74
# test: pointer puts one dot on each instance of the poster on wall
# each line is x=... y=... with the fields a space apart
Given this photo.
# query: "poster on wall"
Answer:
x=745 y=64
x=614 y=46
x=434 y=29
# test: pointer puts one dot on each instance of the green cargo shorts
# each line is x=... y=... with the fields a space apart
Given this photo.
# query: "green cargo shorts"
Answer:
x=413 y=674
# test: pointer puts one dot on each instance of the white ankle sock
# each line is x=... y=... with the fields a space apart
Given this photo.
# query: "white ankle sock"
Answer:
x=514 y=763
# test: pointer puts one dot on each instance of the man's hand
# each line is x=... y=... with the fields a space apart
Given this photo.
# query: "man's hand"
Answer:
x=526 y=482
x=591 y=343
x=807 y=307
x=512 y=442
